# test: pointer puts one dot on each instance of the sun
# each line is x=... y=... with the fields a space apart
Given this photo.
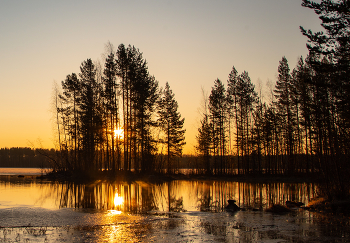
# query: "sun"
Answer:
x=118 y=200
x=119 y=133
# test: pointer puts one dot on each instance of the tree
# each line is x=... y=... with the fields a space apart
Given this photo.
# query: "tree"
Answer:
x=302 y=98
x=218 y=116
x=71 y=97
x=329 y=57
x=247 y=99
x=204 y=142
x=90 y=113
x=233 y=99
x=110 y=95
x=122 y=71
x=171 y=124
x=139 y=95
x=334 y=44
x=257 y=135
x=145 y=99
x=283 y=94
x=204 y=136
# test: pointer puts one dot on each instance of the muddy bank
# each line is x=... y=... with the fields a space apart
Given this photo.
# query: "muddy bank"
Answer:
x=324 y=205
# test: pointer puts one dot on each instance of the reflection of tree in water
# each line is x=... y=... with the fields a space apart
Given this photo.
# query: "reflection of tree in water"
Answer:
x=174 y=204
x=204 y=203
x=213 y=196
x=205 y=198
x=89 y=200
x=101 y=196
x=214 y=227
x=172 y=198
x=177 y=196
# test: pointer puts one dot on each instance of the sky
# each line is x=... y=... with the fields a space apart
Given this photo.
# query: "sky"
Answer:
x=187 y=43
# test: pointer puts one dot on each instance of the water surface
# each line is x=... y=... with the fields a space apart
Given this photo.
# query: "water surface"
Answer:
x=179 y=211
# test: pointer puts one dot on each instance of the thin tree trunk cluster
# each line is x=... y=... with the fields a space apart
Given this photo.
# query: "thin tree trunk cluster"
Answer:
x=301 y=131
x=305 y=128
x=108 y=118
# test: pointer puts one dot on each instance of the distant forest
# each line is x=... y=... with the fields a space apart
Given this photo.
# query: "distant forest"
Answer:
x=26 y=157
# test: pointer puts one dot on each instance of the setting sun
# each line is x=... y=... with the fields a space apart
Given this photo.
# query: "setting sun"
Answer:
x=118 y=133
x=118 y=200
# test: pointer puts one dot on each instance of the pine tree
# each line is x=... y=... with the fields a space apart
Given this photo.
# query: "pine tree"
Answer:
x=329 y=57
x=89 y=113
x=247 y=99
x=110 y=95
x=301 y=98
x=257 y=136
x=122 y=62
x=71 y=96
x=283 y=94
x=204 y=142
x=233 y=99
x=145 y=103
x=171 y=124
x=139 y=95
x=218 y=116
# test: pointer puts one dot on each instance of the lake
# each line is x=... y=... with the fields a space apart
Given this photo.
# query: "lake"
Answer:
x=33 y=210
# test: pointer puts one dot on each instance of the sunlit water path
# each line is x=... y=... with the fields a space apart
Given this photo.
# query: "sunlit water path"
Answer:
x=179 y=211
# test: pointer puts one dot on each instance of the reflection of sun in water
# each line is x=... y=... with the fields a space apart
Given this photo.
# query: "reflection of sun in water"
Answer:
x=114 y=212
x=119 y=133
x=118 y=200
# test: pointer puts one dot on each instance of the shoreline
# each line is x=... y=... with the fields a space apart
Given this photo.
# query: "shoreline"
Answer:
x=320 y=203
x=160 y=178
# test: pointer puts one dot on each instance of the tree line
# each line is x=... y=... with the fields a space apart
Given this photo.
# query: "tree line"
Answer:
x=26 y=157
x=116 y=117
x=306 y=126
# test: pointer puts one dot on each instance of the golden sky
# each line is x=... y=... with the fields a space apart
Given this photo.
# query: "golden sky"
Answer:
x=186 y=43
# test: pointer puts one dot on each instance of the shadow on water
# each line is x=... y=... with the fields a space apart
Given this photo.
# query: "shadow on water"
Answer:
x=178 y=210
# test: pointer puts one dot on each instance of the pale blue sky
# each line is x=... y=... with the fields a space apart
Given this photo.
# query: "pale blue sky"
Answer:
x=186 y=43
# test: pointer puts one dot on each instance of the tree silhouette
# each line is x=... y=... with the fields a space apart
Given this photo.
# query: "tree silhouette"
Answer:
x=329 y=59
x=204 y=142
x=283 y=94
x=91 y=120
x=218 y=116
x=233 y=99
x=247 y=98
x=171 y=123
x=110 y=95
